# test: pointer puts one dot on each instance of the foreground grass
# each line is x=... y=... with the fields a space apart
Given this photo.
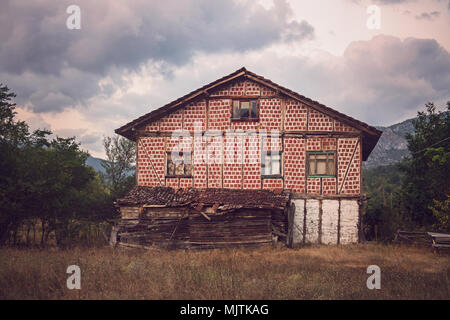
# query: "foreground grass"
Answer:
x=265 y=273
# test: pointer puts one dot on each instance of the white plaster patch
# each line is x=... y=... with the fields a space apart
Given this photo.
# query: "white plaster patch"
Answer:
x=312 y=221
x=349 y=221
x=298 y=221
x=330 y=212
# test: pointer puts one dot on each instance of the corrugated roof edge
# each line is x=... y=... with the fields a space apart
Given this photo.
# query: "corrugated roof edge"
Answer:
x=167 y=196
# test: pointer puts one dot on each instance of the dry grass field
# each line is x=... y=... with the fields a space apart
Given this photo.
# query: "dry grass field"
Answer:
x=320 y=272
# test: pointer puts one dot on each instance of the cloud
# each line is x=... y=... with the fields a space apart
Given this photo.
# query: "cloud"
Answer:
x=131 y=58
x=55 y=68
x=128 y=34
x=428 y=16
x=385 y=2
x=380 y=81
x=392 y=1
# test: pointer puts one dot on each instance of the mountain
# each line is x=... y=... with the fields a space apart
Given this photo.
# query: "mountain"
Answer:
x=95 y=163
x=392 y=146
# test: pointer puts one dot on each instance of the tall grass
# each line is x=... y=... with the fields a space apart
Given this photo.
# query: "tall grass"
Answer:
x=324 y=272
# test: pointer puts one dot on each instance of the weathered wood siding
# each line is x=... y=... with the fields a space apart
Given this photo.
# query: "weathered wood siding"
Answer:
x=188 y=228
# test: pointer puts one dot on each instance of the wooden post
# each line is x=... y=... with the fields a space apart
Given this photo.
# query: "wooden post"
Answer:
x=113 y=236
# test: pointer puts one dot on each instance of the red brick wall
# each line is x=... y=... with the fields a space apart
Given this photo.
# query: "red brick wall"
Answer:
x=245 y=171
x=296 y=116
x=319 y=121
x=341 y=127
x=313 y=185
x=172 y=121
x=252 y=163
x=155 y=150
x=272 y=184
x=349 y=164
x=232 y=167
x=294 y=164
x=270 y=114
x=328 y=185
x=195 y=112
x=219 y=114
x=214 y=154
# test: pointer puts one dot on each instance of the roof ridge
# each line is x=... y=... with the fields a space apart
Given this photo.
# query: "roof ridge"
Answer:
x=373 y=134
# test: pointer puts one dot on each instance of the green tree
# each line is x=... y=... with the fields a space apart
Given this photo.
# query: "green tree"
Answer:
x=382 y=215
x=427 y=169
x=119 y=164
x=45 y=180
x=15 y=143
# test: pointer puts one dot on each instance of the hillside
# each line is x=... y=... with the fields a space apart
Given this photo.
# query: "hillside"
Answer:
x=392 y=146
x=96 y=163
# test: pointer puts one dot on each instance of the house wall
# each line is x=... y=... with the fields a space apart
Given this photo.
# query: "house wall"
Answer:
x=181 y=227
x=326 y=221
x=301 y=128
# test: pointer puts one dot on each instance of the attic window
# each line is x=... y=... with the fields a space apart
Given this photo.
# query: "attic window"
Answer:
x=321 y=164
x=181 y=167
x=245 y=110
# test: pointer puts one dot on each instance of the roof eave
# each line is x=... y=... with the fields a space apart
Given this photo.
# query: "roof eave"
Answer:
x=370 y=134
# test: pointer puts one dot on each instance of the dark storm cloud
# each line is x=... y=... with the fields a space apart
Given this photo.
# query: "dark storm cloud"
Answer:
x=385 y=2
x=380 y=81
x=35 y=37
x=428 y=16
x=392 y=1
x=395 y=77
x=54 y=67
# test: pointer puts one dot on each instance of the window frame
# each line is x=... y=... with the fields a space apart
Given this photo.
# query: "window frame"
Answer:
x=249 y=100
x=326 y=175
x=262 y=165
x=175 y=175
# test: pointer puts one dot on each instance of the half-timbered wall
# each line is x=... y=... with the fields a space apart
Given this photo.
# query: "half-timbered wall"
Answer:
x=302 y=129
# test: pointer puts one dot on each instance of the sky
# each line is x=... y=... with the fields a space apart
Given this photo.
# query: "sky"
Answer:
x=131 y=57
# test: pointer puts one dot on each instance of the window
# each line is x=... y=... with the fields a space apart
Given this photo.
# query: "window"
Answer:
x=321 y=164
x=245 y=110
x=181 y=167
x=271 y=164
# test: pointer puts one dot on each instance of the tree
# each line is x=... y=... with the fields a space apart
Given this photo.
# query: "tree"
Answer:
x=427 y=169
x=119 y=166
x=381 y=217
x=44 y=180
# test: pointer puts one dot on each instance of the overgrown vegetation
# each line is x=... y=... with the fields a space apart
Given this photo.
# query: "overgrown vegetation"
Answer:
x=327 y=272
x=47 y=192
x=414 y=194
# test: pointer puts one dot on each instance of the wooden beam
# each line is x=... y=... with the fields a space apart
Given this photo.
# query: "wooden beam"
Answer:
x=151 y=162
x=348 y=167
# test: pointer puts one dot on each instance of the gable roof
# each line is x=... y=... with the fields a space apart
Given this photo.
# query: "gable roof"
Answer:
x=370 y=133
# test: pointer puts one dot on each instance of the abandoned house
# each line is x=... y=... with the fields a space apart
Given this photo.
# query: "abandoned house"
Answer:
x=244 y=161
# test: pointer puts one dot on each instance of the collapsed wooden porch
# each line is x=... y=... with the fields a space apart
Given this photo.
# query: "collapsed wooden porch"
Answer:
x=209 y=218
